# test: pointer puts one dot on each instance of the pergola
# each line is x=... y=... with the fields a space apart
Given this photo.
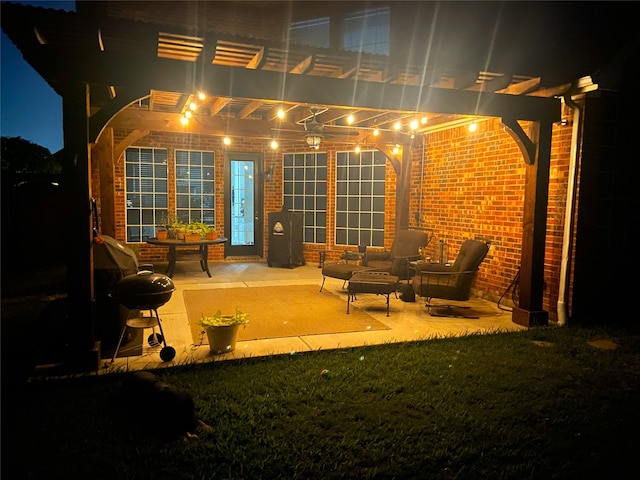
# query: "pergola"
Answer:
x=142 y=77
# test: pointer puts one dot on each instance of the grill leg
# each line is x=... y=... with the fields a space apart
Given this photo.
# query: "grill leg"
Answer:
x=124 y=329
x=164 y=339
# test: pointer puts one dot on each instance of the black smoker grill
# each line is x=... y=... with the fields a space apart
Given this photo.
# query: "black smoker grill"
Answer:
x=146 y=290
x=112 y=262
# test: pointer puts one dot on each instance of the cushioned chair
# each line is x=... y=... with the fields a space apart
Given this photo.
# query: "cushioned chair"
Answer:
x=403 y=250
x=450 y=282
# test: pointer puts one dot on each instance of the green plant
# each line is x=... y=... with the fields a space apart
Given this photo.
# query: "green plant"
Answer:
x=199 y=227
x=175 y=223
x=220 y=320
x=162 y=221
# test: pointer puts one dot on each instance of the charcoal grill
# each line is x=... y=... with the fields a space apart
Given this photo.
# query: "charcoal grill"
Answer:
x=146 y=291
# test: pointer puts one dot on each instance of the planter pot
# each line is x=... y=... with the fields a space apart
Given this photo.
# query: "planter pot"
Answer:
x=222 y=339
x=212 y=235
x=192 y=237
x=162 y=234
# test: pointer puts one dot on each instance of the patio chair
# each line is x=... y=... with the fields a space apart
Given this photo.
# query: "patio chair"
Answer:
x=404 y=249
x=450 y=282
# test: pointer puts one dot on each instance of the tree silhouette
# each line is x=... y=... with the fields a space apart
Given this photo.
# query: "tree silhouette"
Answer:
x=22 y=156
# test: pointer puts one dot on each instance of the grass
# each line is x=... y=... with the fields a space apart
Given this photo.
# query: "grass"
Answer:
x=541 y=403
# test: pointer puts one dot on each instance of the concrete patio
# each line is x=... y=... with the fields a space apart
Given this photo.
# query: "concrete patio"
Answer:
x=407 y=321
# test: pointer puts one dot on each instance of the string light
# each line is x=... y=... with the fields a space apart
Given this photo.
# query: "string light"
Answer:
x=274 y=144
x=227 y=141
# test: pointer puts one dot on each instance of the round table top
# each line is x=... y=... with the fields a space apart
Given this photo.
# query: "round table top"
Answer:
x=173 y=241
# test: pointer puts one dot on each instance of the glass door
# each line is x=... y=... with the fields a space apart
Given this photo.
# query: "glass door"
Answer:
x=243 y=204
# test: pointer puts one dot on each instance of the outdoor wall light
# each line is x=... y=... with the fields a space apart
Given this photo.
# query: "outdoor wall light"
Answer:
x=268 y=174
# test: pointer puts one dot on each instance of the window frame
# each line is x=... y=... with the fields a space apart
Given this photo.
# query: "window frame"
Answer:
x=360 y=198
x=304 y=179
x=187 y=214
x=137 y=199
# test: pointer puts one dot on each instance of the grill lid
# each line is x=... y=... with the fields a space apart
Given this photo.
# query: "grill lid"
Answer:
x=145 y=290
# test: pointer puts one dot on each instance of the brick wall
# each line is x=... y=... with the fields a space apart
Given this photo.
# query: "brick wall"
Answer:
x=468 y=185
x=464 y=185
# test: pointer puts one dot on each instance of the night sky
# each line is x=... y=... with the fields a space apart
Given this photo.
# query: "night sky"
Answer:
x=29 y=107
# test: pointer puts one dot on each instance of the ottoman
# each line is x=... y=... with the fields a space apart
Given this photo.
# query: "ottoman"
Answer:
x=343 y=271
x=380 y=283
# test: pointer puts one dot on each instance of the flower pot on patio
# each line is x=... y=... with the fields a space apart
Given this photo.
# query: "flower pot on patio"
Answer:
x=222 y=330
x=162 y=234
x=222 y=339
x=212 y=235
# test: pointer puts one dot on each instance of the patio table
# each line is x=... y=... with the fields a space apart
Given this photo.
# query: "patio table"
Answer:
x=174 y=245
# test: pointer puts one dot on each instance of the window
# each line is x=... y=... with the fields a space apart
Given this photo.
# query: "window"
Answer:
x=145 y=191
x=195 y=187
x=313 y=32
x=360 y=189
x=367 y=31
x=305 y=190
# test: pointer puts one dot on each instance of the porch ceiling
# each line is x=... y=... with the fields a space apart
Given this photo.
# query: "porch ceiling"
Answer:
x=249 y=80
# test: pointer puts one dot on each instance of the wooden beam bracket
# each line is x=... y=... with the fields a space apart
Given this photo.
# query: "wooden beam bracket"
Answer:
x=526 y=145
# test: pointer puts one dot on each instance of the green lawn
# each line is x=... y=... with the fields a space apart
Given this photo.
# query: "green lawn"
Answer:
x=542 y=403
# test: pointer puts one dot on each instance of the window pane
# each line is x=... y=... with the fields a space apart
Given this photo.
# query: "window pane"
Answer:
x=146 y=191
x=358 y=212
x=305 y=187
x=367 y=31
x=195 y=186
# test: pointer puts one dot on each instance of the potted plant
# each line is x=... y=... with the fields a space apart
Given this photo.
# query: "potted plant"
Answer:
x=162 y=232
x=222 y=330
x=176 y=228
x=210 y=232
x=193 y=232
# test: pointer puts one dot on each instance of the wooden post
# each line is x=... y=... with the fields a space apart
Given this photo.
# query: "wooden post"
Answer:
x=103 y=158
x=82 y=354
x=403 y=190
x=529 y=311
